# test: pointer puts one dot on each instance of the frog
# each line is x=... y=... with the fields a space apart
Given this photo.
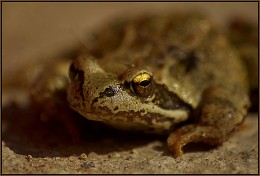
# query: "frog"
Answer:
x=173 y=74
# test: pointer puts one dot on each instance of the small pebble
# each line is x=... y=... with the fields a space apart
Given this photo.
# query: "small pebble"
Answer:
x=92 y=155
x=117 y=155
x=83 y=156
x=178 y=160
x=71 y=158
x=134 y=151
x=86 y=164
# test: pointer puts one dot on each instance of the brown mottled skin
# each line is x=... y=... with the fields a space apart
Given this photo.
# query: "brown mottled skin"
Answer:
x=196 y=76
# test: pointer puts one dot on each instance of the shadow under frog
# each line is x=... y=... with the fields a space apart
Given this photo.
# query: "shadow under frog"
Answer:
x=26 y=134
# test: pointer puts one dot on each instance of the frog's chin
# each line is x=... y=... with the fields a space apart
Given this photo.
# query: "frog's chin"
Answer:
x=162 y=128
x=152 y=123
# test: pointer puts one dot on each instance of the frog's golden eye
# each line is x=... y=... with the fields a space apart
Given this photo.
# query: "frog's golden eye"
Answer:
x=142 y=84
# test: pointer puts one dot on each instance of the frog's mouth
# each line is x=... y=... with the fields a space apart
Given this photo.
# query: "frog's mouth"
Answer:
x=134 y=121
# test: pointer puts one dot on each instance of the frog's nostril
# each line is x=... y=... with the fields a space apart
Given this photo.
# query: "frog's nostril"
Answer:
x=109 y=91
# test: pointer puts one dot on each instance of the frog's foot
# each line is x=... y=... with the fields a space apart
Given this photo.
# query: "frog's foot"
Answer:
x=220 y=115
x=193 y=133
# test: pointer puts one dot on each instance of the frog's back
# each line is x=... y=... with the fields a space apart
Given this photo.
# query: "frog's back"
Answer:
x=185 y=52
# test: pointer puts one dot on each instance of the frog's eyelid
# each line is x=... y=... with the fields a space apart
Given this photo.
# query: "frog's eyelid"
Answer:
x=131 y=73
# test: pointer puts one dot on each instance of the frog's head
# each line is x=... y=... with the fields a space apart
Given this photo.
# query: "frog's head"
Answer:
x=125 y=97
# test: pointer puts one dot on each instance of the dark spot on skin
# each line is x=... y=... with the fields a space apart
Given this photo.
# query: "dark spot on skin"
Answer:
x=177 y=52
x=188 y=59
x=81 y=79
x=191 y=61
x=108 y=92
x=168 y=100
x=158 y=61
x=171 y=49
x=127 y=84
x=95 y=100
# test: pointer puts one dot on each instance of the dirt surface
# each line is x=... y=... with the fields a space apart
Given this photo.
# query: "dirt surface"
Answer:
x=33 y=32
x=33 y=146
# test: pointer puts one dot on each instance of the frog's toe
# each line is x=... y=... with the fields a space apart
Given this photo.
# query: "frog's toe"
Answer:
x=192 y=133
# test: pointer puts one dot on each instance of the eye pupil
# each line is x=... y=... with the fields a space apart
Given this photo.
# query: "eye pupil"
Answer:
x=141 y=84
x=144 y=83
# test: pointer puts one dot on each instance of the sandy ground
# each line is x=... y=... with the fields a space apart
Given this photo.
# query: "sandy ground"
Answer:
x=31 y=146
x=33 y=32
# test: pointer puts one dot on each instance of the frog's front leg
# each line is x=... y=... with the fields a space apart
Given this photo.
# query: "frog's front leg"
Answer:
x=220 y=116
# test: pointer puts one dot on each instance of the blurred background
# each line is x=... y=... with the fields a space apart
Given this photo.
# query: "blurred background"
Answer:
x=33 y=31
